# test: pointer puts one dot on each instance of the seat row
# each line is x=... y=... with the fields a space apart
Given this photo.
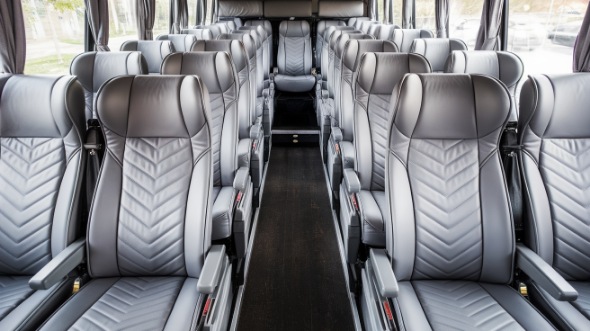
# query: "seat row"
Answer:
x=451 y=257
x=146 y=257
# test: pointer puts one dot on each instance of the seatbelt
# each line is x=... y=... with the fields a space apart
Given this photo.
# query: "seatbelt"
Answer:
x=94 y=145
x=510 y=158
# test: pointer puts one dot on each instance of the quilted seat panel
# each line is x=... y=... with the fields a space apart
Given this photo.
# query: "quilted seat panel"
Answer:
x=13 y=291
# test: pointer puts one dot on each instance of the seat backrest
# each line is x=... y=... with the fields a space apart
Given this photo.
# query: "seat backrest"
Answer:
x=181 y=42
x=505 y=66
x=259 y=67
x=334 y=61
x=450 y=211
x=404 y=38
x=351 y=49
x=378 y=76
x=263 y=37
x=218 y=74
x=156 y=175
x=250 y=47
x=233 y=22
x=214 y=29
x=294 y=54
x=353 y=21
x=326 y=50
x=94 y=68
x=437 y=50
x=41 y=169
x=321 y=28
x=366 y=26
x=201 y=33
x=554 y=131
x=239 y=56
x=265 y=24
x=382 y=31
x=154 y=52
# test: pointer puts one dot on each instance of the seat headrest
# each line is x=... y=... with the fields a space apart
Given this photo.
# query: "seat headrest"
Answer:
x=294 y=29
x=246 y=39
x=350 y=48
x=556 y=106
x=330 y=30
x=335 y=37
x=40 y=106
x=154 y=51
x=181 y=42
x=437 y=50
x=451 y=106
x=505 y=66
x=154 y=106
x=236 y=48
x=379 y=73
x=94 y=68
x=253 y=33
x=200 y=33
x=259 y=29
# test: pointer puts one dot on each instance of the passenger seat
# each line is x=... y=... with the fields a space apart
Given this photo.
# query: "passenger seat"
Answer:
x=154 y=52
x=404 y=38
x=180 y=42
x=321 y=28
x=294 y=58
x=148 y=247
x=201 y=33
x=437 y=50
x=41 y=171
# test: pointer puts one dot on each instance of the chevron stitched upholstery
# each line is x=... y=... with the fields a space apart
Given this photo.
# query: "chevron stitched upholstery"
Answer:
x=451 y=232
x=41 y=168
x=554 y=130
x=294 y=58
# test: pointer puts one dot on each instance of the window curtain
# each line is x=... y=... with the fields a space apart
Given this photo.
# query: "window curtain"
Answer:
x=146 y=15
x=373 y=12
x=408 y=14
x=12 y=37
x=201 y=12
x=488 y=36
x=178 y=15
x=441 y=9
x=98 y=18
x=582 y=46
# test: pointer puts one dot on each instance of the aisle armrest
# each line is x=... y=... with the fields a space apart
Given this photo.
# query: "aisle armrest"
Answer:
x=543 y=274
x=60 y=266
x=383 y=272
x=212 y=270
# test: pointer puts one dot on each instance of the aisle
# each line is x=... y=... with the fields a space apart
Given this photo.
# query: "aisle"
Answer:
x=295 y=279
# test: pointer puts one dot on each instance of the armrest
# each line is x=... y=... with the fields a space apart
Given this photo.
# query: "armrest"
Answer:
x=543 y=274
x=242 y=179
x=212 y=270
x=60 y=266
x=351 y=181
x=243 y=151
x=386 y=282
x=337 y=134
x=325 y=95
x=256 y=131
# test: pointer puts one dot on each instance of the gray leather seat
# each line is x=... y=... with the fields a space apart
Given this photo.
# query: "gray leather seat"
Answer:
x=94 y=68
x=404 y=38
x=265 y=24
x=554 y=127
x=366 y=26
x=219 y=75
x=354 y=21
x=251 y=134
x=41 y=170
x=321 y=28
x=215 y=29
x=154 y=52
x=382 y=31
x=232 y=22
x=505 y=66
x=437 y=50
x=149 y=247
x=377 y=77
x=451 y=241
x=180 y=42
x=202 y=33
x=294 y=58
x=264 y=63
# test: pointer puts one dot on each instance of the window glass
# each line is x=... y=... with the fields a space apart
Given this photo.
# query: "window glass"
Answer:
x=122 y=23
x=425 y=18
x=542 y=33
x=192 y=12
x=162 y=22
x=397 y=12
x=464 y=20
x=381 y=10
x=54 y=34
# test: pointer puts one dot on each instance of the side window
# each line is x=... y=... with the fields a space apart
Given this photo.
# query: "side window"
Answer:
x=464 y=20
x=425 y=15
x=122 y=23
x=55 y=34
x=162 y=17
x=542 y=33
x=397 y=12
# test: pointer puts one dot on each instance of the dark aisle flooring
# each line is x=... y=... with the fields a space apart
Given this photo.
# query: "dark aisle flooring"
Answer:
x=294 y=111
x=295 y=280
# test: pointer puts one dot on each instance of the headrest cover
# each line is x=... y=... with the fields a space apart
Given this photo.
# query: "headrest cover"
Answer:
x=451 y=106
x=153 y=106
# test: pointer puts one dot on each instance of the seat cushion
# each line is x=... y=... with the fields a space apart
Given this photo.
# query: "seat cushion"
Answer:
x=464 y=305
x=22 y=308
x=288 y=83
x=373 y=206
x=130 y=303
x=566 y=315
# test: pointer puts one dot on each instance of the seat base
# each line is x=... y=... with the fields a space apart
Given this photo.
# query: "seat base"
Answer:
x=288 y=83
